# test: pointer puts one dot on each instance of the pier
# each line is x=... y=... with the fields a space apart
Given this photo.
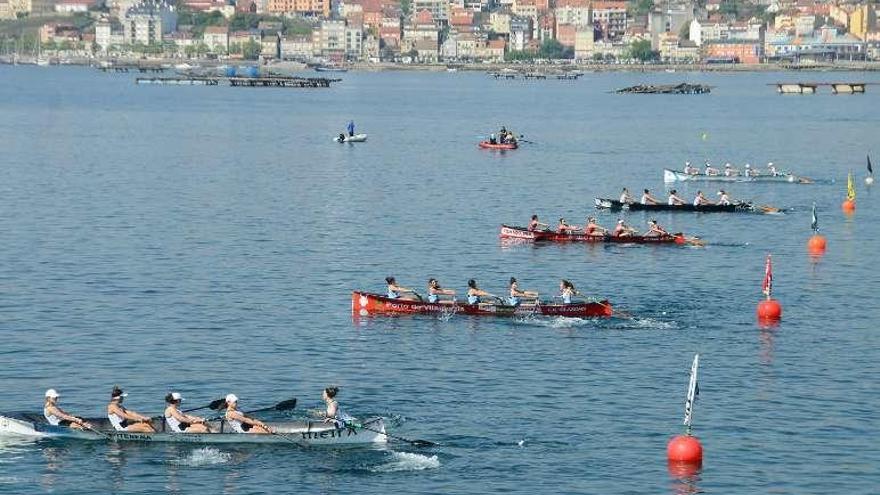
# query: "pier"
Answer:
x=241 y=82
x=809 y=88
x=667 y=89
x=534 y=75
x=131 y=68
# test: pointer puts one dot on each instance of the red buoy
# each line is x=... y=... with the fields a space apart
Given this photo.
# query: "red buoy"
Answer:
x=848 y=206
x=816 y=244
x=684 y=448
x=769 y=309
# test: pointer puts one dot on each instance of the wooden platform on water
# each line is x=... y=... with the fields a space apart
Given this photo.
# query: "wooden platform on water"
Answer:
x=809 y=88
x=667 y=89
x=241 y=82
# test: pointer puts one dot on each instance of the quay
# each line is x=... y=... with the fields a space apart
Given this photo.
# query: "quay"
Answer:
x=809 y=88
x=667 y=89
x=241 y=82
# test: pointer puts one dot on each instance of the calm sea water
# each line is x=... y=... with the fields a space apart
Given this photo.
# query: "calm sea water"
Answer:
x=208 y=239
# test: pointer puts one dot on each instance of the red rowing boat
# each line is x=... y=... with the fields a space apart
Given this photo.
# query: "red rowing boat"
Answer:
x=498 y=146
x=522 y=233
x=365 y=304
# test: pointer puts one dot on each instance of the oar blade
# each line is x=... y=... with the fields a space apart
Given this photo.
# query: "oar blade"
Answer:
x=286 y=405
x=422 y=443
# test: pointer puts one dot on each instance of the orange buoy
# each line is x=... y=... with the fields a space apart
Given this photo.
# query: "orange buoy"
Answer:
x=848 y=206
x=684 y=448
x=816 y=244
x=769 y=309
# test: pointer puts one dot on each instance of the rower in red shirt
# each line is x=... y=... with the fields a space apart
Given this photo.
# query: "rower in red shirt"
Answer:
x=593 y=228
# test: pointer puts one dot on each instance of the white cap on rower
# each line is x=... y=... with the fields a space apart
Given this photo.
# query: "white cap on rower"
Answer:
x=620 y=221
x=176 y=396
x=748 y=166
x=52 y=393
x=231 y=399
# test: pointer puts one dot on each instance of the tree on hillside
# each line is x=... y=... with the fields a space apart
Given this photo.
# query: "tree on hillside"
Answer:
x=641 y=50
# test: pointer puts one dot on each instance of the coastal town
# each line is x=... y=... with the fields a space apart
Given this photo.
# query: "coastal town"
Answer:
x=340 y=33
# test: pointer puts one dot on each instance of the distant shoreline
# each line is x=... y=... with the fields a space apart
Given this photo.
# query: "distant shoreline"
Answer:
x=553 y=68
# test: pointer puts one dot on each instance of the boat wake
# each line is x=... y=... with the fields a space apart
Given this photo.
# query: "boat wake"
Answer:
x=407 y=461
x=206 y=456
x=559 y=322
x=648 y=323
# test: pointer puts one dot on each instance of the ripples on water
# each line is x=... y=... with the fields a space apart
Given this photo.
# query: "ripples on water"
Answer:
x=207 y=240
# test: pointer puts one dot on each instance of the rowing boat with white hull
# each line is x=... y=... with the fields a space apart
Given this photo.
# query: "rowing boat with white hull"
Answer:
x=304 y=433
x=670 y=175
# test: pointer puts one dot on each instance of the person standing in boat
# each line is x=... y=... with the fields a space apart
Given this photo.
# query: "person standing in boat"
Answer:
x=123 y=419
x=241 y=423
x=655 y=230
x=647 y=199
x=334 y=414
x=435 y=291
x=56 y=416
x=564 y=228
x=179 y=422
x=475 y=294
x=350 y=128
x=724 y=200
x=701 y=200
x=625 y=198
x=534 y=224
x=623 y=230
x=593 y=228
x=674 y=199
x=516 y=296
x=398 y=292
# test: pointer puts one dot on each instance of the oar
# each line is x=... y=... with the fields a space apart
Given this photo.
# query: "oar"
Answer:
x=213 y=405
x=284 y=405
x=290 y=439
x=522 y=140
x=414 y=443
x=416 y=294
x=108 y=437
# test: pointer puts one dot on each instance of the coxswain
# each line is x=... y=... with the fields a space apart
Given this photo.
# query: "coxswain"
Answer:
x=56 y=416
x=534 y=224
x=124 y=420
x=690 y=170
x=729 y=171
x=475 y=294
x=398 y=292
x=334 y=414
x=674 y=199
x=625 y=198
x=622 y=230
x=647 y=199
x=701 y=200
x=180 y=422
x=710 y=170
x=655 y=230
x=565 y=228
x=350 y=128
x=567 y=291
x=593 y=228
x=241 y=423
x=724 y=198
x=516 y=296
x=435 y=291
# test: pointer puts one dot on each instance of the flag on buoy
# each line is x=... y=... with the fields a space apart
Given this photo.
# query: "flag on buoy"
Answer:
x=767 y=285
x=692 y=394
x=815 y=224
x=685 y=451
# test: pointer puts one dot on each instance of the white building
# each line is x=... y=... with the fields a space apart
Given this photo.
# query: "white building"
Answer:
x=354 y=42
x=102 y=35
x=145 y=22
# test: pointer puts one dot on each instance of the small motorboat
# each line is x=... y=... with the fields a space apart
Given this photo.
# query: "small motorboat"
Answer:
x=344 y=138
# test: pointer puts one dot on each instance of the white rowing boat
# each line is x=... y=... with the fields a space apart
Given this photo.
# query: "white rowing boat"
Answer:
x=305 y=433
x=357 y=138
x=676 y=176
